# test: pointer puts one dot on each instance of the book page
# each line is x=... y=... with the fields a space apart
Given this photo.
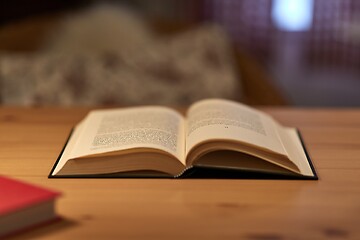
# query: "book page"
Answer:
x=295 y=149
x=139 y=127
x=217 y=119
x=69 y=147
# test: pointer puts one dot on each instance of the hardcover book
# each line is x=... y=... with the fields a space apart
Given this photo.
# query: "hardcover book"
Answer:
x=215 y=138
x=23 y=206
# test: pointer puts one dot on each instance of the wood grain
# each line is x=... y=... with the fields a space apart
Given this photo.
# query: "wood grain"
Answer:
x=31 y=139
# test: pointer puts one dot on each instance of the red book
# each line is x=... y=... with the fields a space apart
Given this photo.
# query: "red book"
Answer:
x=23 y=206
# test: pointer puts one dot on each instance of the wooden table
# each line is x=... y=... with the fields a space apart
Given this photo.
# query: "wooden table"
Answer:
x=31 y=139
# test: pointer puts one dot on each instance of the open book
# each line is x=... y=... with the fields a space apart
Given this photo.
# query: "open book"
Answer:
x=216 y=136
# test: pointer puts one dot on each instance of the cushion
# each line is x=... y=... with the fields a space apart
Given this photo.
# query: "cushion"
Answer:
x=174 y=70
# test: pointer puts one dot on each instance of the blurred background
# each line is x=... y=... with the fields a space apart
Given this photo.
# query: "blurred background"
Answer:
x=261 y=52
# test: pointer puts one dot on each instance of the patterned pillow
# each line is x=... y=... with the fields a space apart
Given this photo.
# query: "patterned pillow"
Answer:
x=176 y=70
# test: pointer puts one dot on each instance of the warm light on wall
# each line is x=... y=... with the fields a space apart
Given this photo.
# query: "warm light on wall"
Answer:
x=292 y=15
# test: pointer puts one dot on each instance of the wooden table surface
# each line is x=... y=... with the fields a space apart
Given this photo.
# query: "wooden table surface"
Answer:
x=31 y=139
